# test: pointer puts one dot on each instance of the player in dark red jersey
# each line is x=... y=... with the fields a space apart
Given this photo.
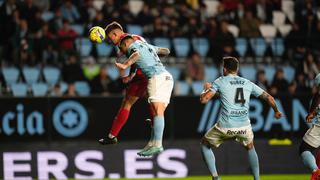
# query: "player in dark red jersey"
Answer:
x=136 y=88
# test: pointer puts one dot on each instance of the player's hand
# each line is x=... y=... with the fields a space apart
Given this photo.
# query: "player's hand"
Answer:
x=278 y=115
x=207 y=85
x=310 y=117
x=126 y=79
x=120 y=66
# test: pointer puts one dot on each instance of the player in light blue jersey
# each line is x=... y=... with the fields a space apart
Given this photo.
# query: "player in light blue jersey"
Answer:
x=234 y=123
x=311 y=139
x=160 y=83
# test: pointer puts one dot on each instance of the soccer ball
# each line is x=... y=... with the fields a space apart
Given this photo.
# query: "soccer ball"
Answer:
x=97 y=34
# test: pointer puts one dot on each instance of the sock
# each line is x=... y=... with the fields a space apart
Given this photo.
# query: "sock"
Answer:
x=210 y=160
x=309 y=160
x=158 y=128
x=119 y=121
x=254 y=163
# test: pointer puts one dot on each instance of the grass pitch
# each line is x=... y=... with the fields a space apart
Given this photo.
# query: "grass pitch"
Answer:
x=240 y=177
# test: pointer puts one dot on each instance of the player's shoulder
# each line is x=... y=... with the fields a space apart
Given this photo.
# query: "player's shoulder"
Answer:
x=139 y=38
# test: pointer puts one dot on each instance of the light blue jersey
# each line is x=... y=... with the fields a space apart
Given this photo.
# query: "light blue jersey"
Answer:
x=149 y=62
x=235 y=94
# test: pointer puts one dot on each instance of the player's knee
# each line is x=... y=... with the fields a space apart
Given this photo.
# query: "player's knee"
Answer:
x=249 y=146
x=305 y=147
x=204 y=141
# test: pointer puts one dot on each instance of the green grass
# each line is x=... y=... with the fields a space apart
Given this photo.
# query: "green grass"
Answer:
x=244 y=177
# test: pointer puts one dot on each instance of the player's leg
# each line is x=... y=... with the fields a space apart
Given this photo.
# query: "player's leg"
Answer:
x=307 y=157
x=253 y=160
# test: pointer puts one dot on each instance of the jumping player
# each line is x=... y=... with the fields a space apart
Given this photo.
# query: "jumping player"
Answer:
x=160 y=83
x=136 y=88
x=234 y=124
x=311 y=139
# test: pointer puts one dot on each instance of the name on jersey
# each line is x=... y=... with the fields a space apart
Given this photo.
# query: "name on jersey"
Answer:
x=237 y=82
x=237 y=113
x=238 y=132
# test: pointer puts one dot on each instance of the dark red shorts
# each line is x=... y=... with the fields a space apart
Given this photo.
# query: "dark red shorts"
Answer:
x=137 y=87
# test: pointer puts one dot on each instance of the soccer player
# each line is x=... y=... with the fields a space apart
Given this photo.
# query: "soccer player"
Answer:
x=311 y=139
x=234 y=124
x=160 y=83
x=137 y=86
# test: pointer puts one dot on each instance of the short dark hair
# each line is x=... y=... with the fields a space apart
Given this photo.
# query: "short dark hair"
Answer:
x=231 y=63
x=128 y=36
x=112 y=26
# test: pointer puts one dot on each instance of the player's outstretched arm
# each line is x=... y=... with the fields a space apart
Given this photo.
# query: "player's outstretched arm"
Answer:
x=207 y=93
x=131 y=60
x=270 y=100
x=314 y=104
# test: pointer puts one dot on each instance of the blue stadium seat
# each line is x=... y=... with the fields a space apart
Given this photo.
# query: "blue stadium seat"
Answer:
x=270 y=72
x=289 y=72
x=47 y=16
x=162 y=42
x=113 y=72
x=201 y=46
x=10 y=74
x=51 y=75
x=277 y=47
x=248 y=72
x=259 y=46
x=181 y=88
x=19 y=89
x=84 y=46
x=197 y=87
x=134 y=29
x=63 y=87
x=181 y=46
x=104 y=49
x=241 y=46
x=174 y=71
x=31 y=74
x=39 y=89
x=78 y=28
x=82 y=88
x=210 y=73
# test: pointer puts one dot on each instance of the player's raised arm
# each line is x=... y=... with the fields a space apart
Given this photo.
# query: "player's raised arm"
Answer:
x=270 y=100
x=207 y=93
x=314 y=104
x=131 y=60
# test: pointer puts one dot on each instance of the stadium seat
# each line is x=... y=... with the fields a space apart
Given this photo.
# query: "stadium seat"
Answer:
x=200 y=45
x=241 y=46
x=181 y=88
x=279 y=18
x=19 y=89
x=289 y=72
x=268 y=31
x=162 y=42
x=288 y=8
x=277 y=47
x=113 y=72
x=174 y=71
x=234 y=30
x=284 y=29
x=82 y=88
x=63 y=87
x=269 y=72
x=134 y=29
x=181 y=47
x=259 y=46
x=197 y=87
x=10 y=74
x=51 y=75
x=31 y=74
x=47 y=16
x=248 y=72
x=39 y=89
x=210 y=73
x=212 y=7
x=78 y=28
x=104 y=49
x=84 y=46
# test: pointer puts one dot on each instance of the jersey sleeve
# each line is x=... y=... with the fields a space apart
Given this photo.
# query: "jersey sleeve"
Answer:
x=216 y=85
x=256 y=90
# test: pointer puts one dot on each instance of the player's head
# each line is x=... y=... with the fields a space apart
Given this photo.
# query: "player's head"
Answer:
x=113 y=31
x=125 y=41
x=230 y=65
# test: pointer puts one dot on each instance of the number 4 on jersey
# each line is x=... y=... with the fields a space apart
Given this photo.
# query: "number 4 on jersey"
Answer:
x=239 y=97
